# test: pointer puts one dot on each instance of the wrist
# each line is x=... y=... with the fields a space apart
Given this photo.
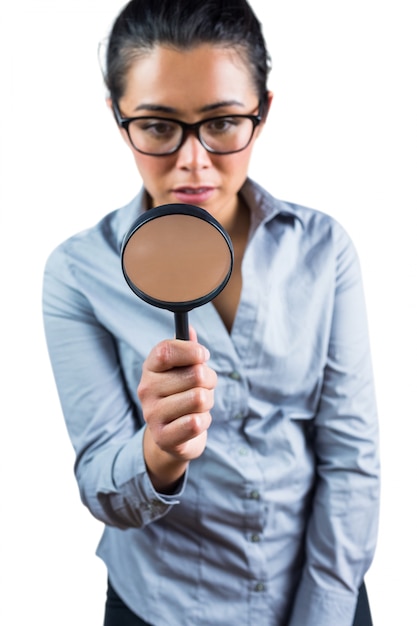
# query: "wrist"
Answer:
x=164 y=470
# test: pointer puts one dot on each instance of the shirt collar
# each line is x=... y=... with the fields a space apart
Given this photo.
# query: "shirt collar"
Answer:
x=264 y=207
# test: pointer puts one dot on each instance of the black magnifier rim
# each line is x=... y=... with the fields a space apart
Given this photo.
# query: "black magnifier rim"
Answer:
x=177 y=209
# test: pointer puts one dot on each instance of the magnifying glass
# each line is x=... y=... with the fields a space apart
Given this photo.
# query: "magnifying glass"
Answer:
x=177 y=257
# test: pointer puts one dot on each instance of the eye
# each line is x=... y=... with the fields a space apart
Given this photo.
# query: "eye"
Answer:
x=221 y=125
x=158 y=128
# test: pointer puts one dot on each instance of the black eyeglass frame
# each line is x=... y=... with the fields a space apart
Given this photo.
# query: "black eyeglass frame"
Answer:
x=124 y=122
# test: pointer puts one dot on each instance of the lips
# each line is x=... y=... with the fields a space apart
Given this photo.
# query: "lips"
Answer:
x=193 y=194
x=192 y=191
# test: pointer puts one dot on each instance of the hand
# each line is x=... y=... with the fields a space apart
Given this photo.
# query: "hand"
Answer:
x=176 y=392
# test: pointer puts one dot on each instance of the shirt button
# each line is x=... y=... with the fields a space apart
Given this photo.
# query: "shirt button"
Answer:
x=239 y=416
x=243 y=451
x=254 y=494
x=234 y=375
x=259 y=587
x=255 y=538
x=155 y=506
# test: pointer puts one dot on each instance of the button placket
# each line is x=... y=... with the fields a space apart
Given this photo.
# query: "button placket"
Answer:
x=238 y=395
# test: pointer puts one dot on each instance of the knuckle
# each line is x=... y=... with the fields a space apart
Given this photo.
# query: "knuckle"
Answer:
x=163 y=353
x=142 y=390
x=198 y=398
x=198 y=423
x=198 y=375
x=203 y=376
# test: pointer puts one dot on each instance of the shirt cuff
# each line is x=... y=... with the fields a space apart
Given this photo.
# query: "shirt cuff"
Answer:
x=134 y=485
x=315 y=606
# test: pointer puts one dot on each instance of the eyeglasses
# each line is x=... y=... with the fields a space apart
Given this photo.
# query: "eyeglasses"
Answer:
x=161 y=136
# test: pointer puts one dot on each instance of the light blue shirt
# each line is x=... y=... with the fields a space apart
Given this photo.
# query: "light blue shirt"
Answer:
x=275 y=524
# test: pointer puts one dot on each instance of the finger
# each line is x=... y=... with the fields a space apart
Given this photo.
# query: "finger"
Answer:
x=173 y=353
x=175 y=437
x=163 y=384
x=161 y=411
x=193 y=333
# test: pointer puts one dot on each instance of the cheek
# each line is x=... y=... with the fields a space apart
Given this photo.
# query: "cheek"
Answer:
x=236 y=166
x=150 y=168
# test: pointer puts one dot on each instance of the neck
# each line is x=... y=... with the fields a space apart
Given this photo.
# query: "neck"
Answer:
x=227 y=301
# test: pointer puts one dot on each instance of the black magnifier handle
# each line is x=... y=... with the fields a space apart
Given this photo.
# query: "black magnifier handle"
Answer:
x=181 y=325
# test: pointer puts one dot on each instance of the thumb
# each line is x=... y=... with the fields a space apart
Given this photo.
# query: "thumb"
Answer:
x=193 y=334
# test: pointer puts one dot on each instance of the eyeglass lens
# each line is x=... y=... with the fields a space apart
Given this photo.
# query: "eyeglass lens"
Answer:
x=160 y=136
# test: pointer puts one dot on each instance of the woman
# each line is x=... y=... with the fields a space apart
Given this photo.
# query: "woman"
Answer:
x=236 y=473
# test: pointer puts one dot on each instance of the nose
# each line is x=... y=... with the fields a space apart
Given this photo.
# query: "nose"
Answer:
x=192 y=155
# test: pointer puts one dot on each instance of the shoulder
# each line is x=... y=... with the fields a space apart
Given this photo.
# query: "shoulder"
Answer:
x=96 y=242
x=311 y=224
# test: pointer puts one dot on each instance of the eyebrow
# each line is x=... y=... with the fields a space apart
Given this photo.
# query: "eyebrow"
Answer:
x=160 y=108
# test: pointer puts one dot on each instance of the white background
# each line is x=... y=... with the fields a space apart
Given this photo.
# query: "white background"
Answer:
x=341 y=138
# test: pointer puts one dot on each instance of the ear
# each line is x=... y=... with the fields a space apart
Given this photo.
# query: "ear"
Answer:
x=109 y=103
x=266 y=108
x=122 y=131
x=267 y=105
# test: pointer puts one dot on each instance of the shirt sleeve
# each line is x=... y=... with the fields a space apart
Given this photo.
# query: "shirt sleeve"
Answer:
x=342 y=530
x=102 y=421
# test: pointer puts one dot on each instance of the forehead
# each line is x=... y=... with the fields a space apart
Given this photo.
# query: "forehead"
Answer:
x=189 y=79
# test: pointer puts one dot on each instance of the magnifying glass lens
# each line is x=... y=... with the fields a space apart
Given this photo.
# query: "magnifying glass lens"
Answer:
x=177 y=257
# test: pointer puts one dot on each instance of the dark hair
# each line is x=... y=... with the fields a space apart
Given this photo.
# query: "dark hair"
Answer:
x=183 y=24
